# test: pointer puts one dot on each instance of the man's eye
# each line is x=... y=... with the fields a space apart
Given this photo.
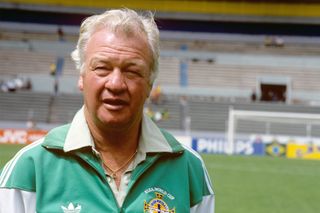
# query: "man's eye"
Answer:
x=133 y=73
x=101 y=71
x=101 y=68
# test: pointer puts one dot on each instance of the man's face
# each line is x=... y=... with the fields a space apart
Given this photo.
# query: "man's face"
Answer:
x=115 y=81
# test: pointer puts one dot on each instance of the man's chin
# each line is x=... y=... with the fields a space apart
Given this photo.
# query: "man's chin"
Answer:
x=115 y=123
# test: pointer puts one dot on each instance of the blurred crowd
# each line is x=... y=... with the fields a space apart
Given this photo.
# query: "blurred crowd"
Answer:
x=15 y=83
x=156 y=99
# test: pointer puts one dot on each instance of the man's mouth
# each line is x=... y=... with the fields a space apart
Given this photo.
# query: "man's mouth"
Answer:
x=115 y=104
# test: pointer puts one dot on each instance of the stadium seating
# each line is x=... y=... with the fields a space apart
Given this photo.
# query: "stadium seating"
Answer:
x=219 y=77
x=228 y=70
x=206 y=115
x=24 y=106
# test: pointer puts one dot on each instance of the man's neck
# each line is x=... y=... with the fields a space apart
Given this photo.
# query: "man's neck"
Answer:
x=117 y=149
x=116 y=142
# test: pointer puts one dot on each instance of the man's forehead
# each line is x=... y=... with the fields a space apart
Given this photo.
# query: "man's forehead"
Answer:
x=105 y=44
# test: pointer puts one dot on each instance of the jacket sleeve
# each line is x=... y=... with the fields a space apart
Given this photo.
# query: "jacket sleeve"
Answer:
x=17 y=183
x=202 y=198
x=205 y=201
x=17 y=201
x=205 y=206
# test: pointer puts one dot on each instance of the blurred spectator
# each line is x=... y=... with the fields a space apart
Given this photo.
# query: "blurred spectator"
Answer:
x=157 y=116
x=253 y=95
x=273 y=96
x=56 y=86
x=31 y=124
x=14 y=84
x=165 y=114
x=11 y=86
x=53 y=69
x=28 y=84
x=18 y=82
x=185 y=119
x=149 y=112
x=3 y=86
x=273 y=41
x=60 y=34
x=156 y=94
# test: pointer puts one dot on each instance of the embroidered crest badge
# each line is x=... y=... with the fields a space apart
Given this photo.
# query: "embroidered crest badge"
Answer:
x=157 y=205
x=71 y=208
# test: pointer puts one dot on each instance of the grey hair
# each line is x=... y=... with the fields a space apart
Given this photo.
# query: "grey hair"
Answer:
x=126 y=20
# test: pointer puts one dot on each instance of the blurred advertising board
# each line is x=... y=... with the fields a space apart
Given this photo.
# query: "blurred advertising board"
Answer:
x=218 y=145
x=258 y=145
x=303 y=151
x=270 y=145
x=20 y=136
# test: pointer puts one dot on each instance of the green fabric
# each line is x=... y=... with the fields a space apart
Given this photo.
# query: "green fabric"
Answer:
x=169 y=181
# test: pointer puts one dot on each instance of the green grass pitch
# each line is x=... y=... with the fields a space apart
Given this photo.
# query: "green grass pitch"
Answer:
x=246 y=184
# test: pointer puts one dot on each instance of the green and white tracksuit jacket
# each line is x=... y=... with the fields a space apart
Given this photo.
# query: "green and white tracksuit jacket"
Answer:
x=62 y=173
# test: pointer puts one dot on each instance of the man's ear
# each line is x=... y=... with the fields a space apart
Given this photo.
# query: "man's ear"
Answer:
x=80 y=83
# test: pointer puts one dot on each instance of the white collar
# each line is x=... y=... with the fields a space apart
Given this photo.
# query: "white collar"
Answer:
x=79 y=136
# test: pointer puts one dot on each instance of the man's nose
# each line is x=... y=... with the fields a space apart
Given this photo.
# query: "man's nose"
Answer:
x=116 y=81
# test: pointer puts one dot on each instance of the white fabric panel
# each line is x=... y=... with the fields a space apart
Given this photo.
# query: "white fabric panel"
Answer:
x=208 y=180
x=17 y=201
x=206 y=205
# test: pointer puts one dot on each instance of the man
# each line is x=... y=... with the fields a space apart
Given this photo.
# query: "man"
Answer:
x=111 y=158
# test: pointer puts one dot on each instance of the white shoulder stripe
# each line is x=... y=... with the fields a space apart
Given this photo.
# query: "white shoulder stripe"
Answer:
x=4 y=170
x=206 y=205
x=207 y=177
x=11 y=164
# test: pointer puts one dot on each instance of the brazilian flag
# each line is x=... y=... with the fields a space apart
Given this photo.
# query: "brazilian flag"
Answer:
x=276 y=149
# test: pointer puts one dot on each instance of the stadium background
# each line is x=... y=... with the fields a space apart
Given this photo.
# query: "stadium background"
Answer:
x=215 y=55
